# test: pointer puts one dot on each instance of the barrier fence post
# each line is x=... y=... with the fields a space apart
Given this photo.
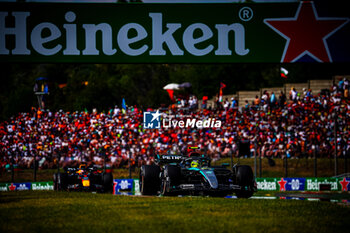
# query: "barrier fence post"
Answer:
x=335 y=146
x=286 y=146
x=315 y=163
x=231 y=158
x=129 y=165
x=260 y=170
x=286 y=166
x=34 y=167
x=255 y=165
x=104 y=161
x=58 y=162
x=346 y=163
x=12 y=173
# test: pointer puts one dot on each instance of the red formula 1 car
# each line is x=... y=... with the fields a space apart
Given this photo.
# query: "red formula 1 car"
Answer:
x=84 y=178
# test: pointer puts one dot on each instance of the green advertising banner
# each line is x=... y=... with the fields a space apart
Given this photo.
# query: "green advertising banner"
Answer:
x=267 y=184
x=175 y=33
x=136 y=187
x=313 y=184
x=3 y=187
x=42 y=185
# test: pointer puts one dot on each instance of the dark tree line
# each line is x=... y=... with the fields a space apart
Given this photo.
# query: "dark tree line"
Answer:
x=76 y=87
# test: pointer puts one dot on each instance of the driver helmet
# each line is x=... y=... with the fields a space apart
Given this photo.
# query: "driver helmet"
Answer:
x=194 y=163
x=82 y=168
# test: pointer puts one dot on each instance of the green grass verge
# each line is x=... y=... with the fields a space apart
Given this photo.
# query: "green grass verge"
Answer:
x=48 y=211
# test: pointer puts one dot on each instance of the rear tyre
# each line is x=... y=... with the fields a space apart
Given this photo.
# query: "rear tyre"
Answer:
x=60 y=181
x=107 y=182
x=171 y=177
x=149 y=179
x=245 y=179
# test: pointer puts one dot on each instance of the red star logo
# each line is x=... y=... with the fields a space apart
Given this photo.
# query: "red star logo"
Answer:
x=282 y=184
x=344 y=184
x=12 y=187
x=306 y=33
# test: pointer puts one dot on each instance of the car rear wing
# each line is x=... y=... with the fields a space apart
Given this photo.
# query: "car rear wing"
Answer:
x=165 y=159
x=71 y=169
x=75 y=169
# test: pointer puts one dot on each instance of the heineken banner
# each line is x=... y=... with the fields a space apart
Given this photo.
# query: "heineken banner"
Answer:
x=302 y=184
x=175 y=33
x=3 y=187
x=267 y=184
x=26 y=186
x=42 y=185
x=132 y=186
x=137 y=187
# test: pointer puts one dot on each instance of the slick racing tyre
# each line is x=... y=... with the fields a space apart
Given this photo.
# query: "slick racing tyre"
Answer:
x=107 y=182
x=171 y=177
x=60 y=181
x=245 y=179
x=149 y=179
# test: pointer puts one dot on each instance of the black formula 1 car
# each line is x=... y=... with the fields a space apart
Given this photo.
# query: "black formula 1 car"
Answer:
x=193 y=175
x=84 y=178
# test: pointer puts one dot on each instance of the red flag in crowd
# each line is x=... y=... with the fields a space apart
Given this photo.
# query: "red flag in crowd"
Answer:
x=284 y=72
x=222 y=86
x=171 y=94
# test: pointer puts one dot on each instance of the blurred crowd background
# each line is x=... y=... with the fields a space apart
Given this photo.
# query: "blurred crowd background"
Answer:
x=274 y=125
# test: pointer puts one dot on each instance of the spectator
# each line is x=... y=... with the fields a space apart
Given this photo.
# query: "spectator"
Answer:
x=282 y=99
x=204 y=102
x=256 y=102
x=293 y=94
x=226 y=104
x=265 y=98
x=234 y=103
x=246 y=105
x=273 y=100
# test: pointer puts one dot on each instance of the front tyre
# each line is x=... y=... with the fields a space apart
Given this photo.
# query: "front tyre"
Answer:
x=149 y=179
x=60 y=181
x=171 y=177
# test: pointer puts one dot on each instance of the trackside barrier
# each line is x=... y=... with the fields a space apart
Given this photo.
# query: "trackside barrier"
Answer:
x=26 y=186
x=131 y=186
x=302 y=184
x=126 y=187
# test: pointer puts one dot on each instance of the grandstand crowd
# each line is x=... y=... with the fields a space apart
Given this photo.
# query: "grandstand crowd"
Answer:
x=273 y=125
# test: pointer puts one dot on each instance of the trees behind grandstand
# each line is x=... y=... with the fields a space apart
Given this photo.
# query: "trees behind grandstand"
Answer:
x=79 y=87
